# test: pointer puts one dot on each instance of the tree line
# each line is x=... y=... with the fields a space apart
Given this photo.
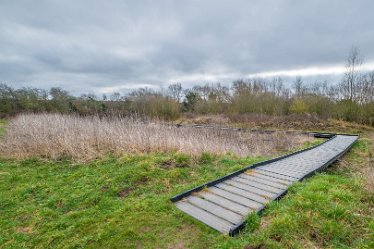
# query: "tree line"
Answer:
x=352 y=99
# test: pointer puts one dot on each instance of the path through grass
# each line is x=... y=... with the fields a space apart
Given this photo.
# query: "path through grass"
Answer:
x=124 y=203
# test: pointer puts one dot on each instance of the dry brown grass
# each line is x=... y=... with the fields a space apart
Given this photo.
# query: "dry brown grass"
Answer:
x=304 y=122
x=85 y=138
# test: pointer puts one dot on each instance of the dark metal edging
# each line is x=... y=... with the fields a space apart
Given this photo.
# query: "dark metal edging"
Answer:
x=214 y=182
x=240 y=226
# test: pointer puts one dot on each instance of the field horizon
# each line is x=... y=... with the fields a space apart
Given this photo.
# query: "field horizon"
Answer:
x=122 y=200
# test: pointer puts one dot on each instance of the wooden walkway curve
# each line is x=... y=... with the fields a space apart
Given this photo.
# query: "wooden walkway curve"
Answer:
x=224 y=204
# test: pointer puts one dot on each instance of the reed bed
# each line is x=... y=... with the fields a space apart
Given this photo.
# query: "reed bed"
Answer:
x=56 y=136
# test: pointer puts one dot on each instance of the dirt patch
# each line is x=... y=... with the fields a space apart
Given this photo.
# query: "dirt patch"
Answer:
x=204 y=119
x=255 y=247
x=24 y=230
x=316 y=238
x=179 y=245
x=167 y=164
x=276 y=237
x=264 y=223
x=178 y=161
x=142 y=181
x=124 y=192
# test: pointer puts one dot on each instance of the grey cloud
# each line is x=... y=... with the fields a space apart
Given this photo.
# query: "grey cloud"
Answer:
x=97 y=45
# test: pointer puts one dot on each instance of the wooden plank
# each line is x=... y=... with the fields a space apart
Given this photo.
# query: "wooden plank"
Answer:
x=219 y=211
x=269 y=178
x=279 y=176
x=233 y=206
x=292 y=168
x=211 y=220
x=287 y=170
x=268 y=182
x=259 y=185
x=255 y=190
x=251 y=189
x=246 y=194
x=283 y=172
x=236 y=198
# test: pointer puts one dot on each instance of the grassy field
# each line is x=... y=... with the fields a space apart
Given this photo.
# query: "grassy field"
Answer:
x=123 y=202
x=116 y=202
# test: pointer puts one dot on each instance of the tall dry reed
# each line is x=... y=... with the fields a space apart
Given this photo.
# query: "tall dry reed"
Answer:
x=85 y=138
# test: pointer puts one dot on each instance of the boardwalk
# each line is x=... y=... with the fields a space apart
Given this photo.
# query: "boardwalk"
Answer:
x=223 y=204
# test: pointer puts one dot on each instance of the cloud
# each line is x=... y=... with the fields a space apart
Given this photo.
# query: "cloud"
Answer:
x=312 y=71
x=100 y=46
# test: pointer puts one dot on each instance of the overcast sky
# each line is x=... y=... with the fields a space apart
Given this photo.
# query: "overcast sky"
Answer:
x=105 y=46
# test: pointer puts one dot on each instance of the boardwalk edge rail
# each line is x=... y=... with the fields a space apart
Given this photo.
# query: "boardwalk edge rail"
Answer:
x=237 y=228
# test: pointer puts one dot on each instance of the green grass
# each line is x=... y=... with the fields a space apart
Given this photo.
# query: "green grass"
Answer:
x=314 y=142
x=116 y=202
x=124 y=203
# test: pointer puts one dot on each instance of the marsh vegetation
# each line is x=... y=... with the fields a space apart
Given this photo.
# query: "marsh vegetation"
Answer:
x=85 y=138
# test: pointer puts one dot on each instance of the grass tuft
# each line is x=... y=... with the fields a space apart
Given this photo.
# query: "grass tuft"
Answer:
x=205 y=158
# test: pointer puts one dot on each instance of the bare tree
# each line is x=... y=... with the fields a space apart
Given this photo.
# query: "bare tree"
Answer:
x=116 y=96
x=370 y=79
x=298 y=85
x=240 y=88
x=203 y=91
x=277 y=86
x=365 y=88
x=351 y=75
x=175 y=91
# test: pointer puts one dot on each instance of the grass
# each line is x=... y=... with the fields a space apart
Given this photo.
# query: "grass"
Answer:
x=314 y=142
x=108 y=203
x=123 y=202
x=2 y=127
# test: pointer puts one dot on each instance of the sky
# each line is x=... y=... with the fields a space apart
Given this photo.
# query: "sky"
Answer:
x=103 y=46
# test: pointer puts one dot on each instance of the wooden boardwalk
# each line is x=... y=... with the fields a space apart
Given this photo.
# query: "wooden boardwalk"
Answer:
x=223 y=204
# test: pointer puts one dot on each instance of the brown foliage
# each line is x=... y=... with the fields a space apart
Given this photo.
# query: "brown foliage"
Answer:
x=84 y=138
